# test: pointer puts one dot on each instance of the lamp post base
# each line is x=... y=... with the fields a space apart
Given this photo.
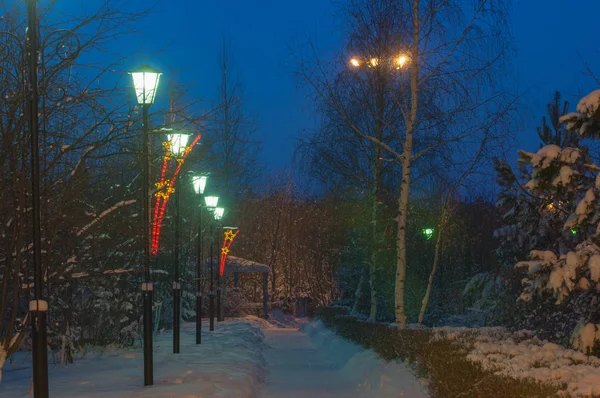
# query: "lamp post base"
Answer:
x=199 y=319
x=38 y=309
x=176 y=316
x=148 y=360
x=211 y=310
x=219 y=305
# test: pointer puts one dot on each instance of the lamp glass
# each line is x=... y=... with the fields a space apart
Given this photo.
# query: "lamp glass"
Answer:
x=428 y=232
x=219 y=211
x=211 y=201
x=199 y=183
x=145 y=82
x=178 y=142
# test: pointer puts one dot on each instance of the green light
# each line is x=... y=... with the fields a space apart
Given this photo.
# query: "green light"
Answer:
x=428 y=232
x=573 y=231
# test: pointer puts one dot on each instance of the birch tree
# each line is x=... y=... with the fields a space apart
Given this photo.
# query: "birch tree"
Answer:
x=450 y=56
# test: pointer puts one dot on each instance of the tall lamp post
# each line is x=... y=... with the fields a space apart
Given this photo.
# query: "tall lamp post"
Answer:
x=218 y=213
x=145 y=82
x=37 y=307
x=178 y=143
x=199 y=183
x=211 y=204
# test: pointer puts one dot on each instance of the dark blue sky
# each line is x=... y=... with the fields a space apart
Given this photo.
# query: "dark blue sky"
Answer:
x=552 y=38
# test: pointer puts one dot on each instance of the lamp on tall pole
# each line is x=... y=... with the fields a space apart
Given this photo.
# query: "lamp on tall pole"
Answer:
x=211 y=203
x=145 y=82
x=218 y=213
x=37 y=307
x=178 y=142
x=199 y=183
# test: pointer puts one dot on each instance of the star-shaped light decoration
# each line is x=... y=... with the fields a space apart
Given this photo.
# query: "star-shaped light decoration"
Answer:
x=228 y=235
x=225 y=250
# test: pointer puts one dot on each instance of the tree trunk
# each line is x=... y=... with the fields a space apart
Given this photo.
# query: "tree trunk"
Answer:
x=358 y=292
x=431 y=276
x=400 y=309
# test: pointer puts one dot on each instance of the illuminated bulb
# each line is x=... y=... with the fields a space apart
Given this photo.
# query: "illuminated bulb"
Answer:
x=354 y=62
x=401 y=60
x=373 y=62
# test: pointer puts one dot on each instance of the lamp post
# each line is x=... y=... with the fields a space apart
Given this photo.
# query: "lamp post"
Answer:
x=178 y=143
x=145 y=82
x=379 y=68
x=37 y=307
x=199 y=183
x=211 y=203
x=218 y=213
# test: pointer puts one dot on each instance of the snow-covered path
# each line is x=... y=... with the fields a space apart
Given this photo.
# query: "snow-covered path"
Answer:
x=313 y=362
x=297 y=369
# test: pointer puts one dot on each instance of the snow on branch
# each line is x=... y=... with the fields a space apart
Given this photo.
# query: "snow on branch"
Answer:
x=105 y=213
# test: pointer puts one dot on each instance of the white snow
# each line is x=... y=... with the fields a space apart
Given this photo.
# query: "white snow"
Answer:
x=589 y=104
x=236 y=360
x=594 y=266
x=522 y=356
x=313 y=362
x=564 y=177
x=228 y=363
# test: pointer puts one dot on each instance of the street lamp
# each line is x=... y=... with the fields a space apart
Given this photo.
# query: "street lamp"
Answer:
x=428 y=233
x=178 y=142
x=211 y=204
x=219 y=211
x=145 y=83
x=199 y=183
x=178 y=145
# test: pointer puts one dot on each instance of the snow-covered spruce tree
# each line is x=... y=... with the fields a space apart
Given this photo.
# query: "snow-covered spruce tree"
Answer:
x=568 y=183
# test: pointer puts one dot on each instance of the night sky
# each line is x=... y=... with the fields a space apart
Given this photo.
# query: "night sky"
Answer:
x=551 y=38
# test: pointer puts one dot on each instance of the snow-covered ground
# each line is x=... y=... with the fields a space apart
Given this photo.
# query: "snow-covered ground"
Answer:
x=228 y=363
x=313 y=362
x=522 y=355
x=245 y=358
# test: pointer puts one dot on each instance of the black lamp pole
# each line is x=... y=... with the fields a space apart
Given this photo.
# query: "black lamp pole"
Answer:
x=199 y=264
x=211 y=293
x=176 y=284
x=147 y=285
x=37 y=307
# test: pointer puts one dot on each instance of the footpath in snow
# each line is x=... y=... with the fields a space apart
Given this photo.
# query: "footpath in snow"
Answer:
x=312 y=362
x=243 y=358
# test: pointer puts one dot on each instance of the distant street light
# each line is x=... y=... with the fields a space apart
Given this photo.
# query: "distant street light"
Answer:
x=219 y=211
x=145 y=82
x=211 y=202
x=178 y=142
x=398 y=62
x=199 y=183
x=428 y=233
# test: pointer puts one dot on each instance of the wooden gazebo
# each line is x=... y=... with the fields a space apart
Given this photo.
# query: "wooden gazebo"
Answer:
x=236 y=266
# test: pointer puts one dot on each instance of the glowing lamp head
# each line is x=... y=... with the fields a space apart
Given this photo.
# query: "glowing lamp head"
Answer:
x=401 y=61
x=355 y=62
x=145 y=82
x=178 y=142
x=219 y=211
x=211 y=201
x=428 y=232
x=199 y=183
x=373 y=62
